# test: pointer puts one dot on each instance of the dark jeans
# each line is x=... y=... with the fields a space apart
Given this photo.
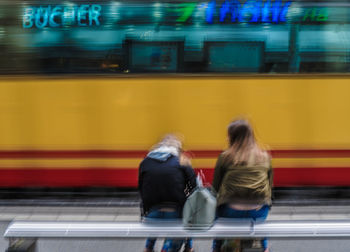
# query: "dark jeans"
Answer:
x=158 y=214
x=256 y=215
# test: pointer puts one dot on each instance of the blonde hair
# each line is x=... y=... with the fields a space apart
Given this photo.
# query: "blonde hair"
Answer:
x=243 y=148
x=175 y=141
x=169 y=140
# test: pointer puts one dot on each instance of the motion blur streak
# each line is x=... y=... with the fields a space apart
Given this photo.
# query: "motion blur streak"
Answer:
x=94 y=131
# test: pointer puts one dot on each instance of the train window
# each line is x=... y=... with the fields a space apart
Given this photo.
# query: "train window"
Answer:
x=154 y=56
x=240 y=36
x=324 y=67
x=235 y=56
x=324 y=48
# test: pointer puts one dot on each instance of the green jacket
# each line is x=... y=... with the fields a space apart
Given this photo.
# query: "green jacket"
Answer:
x=242 y=184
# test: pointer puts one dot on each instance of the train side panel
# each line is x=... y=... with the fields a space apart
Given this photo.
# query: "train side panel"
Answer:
x=94 y=131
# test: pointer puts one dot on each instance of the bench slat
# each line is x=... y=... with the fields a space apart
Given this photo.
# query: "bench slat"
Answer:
x=246 y=229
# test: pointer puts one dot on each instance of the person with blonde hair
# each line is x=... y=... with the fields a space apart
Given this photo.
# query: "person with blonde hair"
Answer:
x=165 y=177
x=242 y=178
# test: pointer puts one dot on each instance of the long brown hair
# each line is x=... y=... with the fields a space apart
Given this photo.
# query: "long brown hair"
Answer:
x=243 y=148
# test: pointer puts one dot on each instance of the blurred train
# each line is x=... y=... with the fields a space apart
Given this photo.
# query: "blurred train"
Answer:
x=87 y=87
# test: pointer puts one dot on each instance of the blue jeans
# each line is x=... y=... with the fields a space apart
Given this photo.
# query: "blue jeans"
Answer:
x=176 y=214
x=256 y=215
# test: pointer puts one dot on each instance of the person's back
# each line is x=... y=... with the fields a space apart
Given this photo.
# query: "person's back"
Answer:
x=163 y=182
x=164 y=176
x=242 y=178
x=244 y=183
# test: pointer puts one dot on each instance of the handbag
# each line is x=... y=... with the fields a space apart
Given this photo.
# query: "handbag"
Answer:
x=200 y=207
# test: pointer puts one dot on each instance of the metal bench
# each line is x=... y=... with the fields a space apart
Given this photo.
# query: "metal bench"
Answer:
x=22 y=235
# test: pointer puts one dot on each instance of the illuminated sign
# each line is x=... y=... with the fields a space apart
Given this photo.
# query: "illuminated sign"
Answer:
x=251 y=11
x=206 y=12
x=316 y=15
x=185 y=11
x=58 y=16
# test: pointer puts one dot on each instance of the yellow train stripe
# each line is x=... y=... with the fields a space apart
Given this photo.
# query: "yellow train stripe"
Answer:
x=81 y=163
x=133 y=113
x=310 y=162
x=70 y=163
x=132 y=163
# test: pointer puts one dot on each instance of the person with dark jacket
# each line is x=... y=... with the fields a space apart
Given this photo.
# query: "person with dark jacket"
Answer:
x=165 y=177
x=243 y=178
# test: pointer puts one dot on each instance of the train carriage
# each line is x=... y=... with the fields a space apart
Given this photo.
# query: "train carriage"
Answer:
x=88 y=86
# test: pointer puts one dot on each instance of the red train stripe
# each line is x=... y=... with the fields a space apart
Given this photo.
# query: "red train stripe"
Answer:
x=330 y=176
x=84 y=177
x=70 y=154
x=118 y=177
x=76 y=154
x=331 y=153
x=305 y=153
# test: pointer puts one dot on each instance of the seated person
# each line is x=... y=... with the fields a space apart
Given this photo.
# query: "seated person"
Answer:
x=164 y=177
x=242 y=178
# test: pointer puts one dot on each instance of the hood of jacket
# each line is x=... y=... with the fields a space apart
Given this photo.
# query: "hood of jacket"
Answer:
x=163 y=153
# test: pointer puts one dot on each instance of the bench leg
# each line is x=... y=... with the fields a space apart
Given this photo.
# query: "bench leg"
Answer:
x=22 y=245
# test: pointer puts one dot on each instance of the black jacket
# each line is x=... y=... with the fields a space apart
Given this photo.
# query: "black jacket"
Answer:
x=163 y=183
